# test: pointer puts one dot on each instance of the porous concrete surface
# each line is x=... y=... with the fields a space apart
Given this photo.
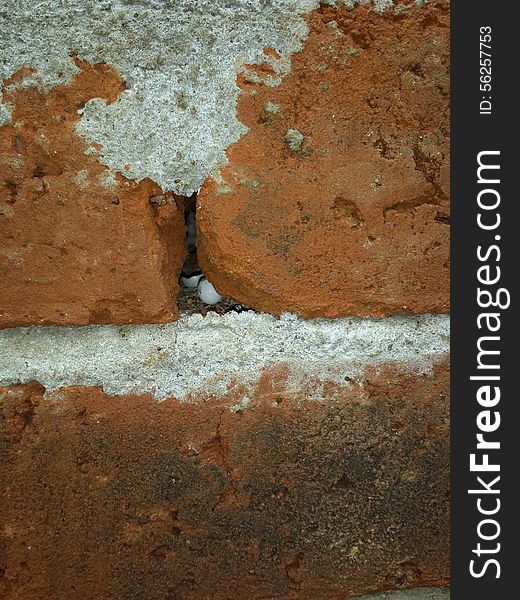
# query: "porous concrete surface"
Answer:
x=207 y=354
x=179 y=59
x=380 y=5
x=417 y=594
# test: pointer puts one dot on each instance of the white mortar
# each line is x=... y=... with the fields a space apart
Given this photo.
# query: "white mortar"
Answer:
x=206 y=355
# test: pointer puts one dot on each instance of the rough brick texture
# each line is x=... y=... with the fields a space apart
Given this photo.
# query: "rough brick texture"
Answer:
x=78 y=243
x=235 y=456
x=122 y=497
x=336 y=200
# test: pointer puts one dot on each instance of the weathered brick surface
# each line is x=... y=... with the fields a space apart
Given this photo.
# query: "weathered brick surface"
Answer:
x=334 y=203
x=325 y=478
x=122 y=497
x=351 y=218
x=78 y=244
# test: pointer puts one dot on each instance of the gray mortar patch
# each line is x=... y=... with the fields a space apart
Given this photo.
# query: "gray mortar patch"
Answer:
x=5 y=114
x=203 y=356
x=380 y=5
x=415 y=594
x=179 y=59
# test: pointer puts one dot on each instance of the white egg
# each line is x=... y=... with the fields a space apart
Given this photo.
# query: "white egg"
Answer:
x=192 y=281
x=207 y=293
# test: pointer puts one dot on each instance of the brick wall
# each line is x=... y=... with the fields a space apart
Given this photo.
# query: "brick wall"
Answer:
x=292 y=439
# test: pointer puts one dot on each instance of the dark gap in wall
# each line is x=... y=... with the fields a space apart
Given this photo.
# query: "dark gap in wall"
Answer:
x=188 y=299
x=191 y=264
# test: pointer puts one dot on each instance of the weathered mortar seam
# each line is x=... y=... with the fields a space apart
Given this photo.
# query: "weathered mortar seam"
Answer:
x=211 y=355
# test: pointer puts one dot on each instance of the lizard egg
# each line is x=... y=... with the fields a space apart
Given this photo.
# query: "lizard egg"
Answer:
x=207 y=293
x=191 y=281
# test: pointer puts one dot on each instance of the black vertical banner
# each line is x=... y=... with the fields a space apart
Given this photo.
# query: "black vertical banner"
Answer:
x=485 y=265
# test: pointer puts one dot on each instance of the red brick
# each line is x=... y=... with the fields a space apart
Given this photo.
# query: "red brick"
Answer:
x=123 y=497
x=354 y=221
x=79 y=245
